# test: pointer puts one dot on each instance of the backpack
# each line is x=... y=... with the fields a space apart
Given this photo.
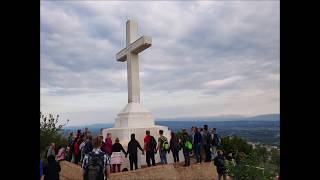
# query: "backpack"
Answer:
x=152 y=143
x=165 y=144
x=188 y=145
x=95 y=166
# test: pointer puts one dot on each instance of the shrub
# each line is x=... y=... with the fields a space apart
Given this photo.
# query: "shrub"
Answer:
x=49 y=131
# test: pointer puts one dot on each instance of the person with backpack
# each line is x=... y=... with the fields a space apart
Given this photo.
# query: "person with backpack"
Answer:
x=133 y=146
x=150 y=145
x=95 y=163
x=206 y=139
x=197 y=144
x=163 y=147
x=216 y=141
x=219 y=162
x=116 y=157
x=174 y=147
x=52 y=169
x=186 y=143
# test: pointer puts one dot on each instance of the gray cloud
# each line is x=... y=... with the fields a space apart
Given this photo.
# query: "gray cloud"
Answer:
x=215 y=49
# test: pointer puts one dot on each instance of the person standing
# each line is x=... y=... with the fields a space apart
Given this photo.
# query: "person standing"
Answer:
x=52 y=169
x=133 y=146
x=215 y=142
x=186 y=151
x=206 y=136
x=95 y=163
x=193 y=131
x=81 y=148
x=61 y=154
x=41 y=169
x=51 y=150
x=78 y=133
x=197 y=144
x=88 y=147
x=116 y=157
x=163 y=147
x=150 y=146
x=76 y=150
x=220 y=164
x=108 y=144
x=174 y=147
x=68 y=154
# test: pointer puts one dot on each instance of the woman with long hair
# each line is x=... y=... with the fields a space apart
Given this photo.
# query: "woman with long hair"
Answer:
x=174 y=147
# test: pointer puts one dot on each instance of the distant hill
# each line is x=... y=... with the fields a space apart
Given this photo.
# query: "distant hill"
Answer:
x=263 y=128
x=92 y=126
x=264 y=117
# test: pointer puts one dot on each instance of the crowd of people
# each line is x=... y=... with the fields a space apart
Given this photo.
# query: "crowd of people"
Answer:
x=99 y=157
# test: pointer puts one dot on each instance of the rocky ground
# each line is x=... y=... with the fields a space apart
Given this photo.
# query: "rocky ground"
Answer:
x=160 y=172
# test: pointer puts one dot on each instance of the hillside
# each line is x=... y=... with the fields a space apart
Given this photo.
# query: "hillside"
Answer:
x=160 y=172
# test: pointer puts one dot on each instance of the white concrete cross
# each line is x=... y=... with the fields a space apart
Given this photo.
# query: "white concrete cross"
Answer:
x=130 y=54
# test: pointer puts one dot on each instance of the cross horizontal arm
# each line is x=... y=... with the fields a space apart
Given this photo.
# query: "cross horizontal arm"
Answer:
x=122 y=55
x=136 y=47
x=141 y=44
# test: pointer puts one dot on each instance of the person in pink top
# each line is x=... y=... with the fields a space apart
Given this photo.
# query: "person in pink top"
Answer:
x=61 y=154
x=108 y=144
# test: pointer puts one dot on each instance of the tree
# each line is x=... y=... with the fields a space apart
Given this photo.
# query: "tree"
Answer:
x=251 y=164
x=235 y=145
x=249 y=169
x=275 y=159
x=49 y=131
x=262 y=153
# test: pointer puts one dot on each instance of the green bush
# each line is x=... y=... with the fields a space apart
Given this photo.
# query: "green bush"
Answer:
x=235 y=145
x=49 y=132
x=251 y=164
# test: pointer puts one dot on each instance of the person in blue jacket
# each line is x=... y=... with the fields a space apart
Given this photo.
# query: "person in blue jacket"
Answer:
x=41 y=169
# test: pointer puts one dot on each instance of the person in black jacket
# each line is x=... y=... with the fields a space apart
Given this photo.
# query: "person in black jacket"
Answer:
x=219 y=162
x=133 y=146
x=52 y=169
x=116 y=157
x=174 y=147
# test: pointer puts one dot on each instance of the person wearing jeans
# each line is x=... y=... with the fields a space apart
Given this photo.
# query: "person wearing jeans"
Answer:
x=163 y=157
x=163 y=152
x=197 y=144
x=174 y=147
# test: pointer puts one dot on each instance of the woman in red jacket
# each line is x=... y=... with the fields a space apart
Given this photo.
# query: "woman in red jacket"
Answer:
x=108 y=144
x=76 y=150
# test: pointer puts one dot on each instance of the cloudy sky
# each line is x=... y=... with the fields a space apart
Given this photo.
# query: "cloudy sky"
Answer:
x=207 y=58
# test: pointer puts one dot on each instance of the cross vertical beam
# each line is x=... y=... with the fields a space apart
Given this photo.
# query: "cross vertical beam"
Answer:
x=130 y=54
x=132 y=63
